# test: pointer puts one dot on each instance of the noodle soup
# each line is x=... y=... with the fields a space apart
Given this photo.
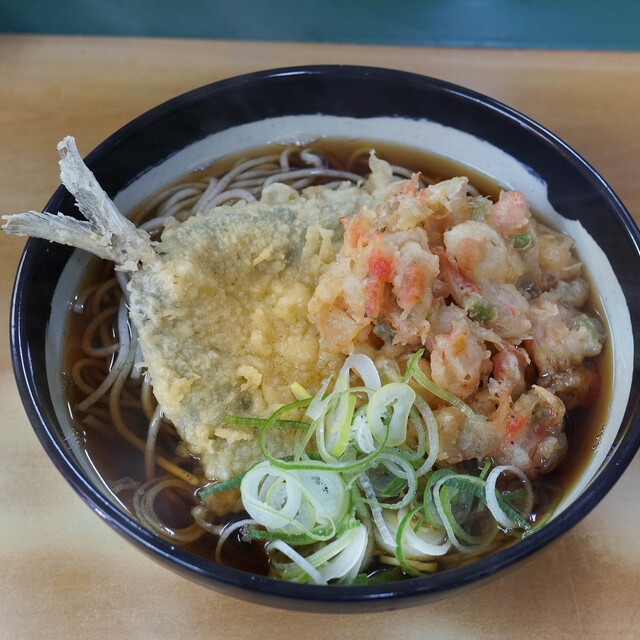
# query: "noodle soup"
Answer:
x=116 y=429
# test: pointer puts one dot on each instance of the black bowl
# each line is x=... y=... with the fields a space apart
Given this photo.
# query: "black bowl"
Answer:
x=377 y=103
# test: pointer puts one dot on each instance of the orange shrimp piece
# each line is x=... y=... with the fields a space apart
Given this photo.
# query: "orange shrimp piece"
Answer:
x=516 y=421
x=381 y=267
x=412 y=287
x=510 y=215
x=509 y=366
x=452 y=275
x=457 y=359
x=357 y=230
x=469 y=254
x=411 y=187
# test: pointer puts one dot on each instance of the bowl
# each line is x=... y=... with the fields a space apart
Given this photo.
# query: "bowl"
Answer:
x=294 y=104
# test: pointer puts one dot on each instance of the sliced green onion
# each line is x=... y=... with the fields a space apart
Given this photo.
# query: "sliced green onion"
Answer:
x=384 y=482
x=500 y=509
x=300 y=538
x=294 y=501
x=318 y=403
x=417 y=455
x=488 y=463
x=347 y=563
x=400 y=546
x=344 y=464
x=593 y=326
x=403 y=469
x=482 y=311
x=522 y=240
x=413 y=362
x=380 y=577
x=456 y=505
x=299 y=391
x=334 y=423
x=226 y=533
x=410 y=545
x=231 y=483
x=445 y=517
x=477 y=487
x=260 y=422
x=376 y=512
x=272 y=421
x=341 y=558
x=430 y=510
x=394 y=400
x=432 y=435
x=480 y=207
x=364 y=367
x=361 y=436
x=413 y=371
x=307 y=570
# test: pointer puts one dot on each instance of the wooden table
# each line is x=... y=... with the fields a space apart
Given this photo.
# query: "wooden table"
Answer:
x=66 y=574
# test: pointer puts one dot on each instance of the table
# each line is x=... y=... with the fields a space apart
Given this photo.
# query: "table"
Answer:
x=66 y=574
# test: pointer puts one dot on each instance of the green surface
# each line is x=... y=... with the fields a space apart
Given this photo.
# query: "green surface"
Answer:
x=573 y=24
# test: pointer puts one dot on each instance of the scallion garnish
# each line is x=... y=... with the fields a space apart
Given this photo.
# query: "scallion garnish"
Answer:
x=316 y=512
x=482 y=311
x=522 y=240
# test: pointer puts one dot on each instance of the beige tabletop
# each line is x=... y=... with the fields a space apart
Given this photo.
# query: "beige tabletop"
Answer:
x=64 y=573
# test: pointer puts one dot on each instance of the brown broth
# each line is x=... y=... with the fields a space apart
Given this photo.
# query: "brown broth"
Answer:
x=115 y=459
